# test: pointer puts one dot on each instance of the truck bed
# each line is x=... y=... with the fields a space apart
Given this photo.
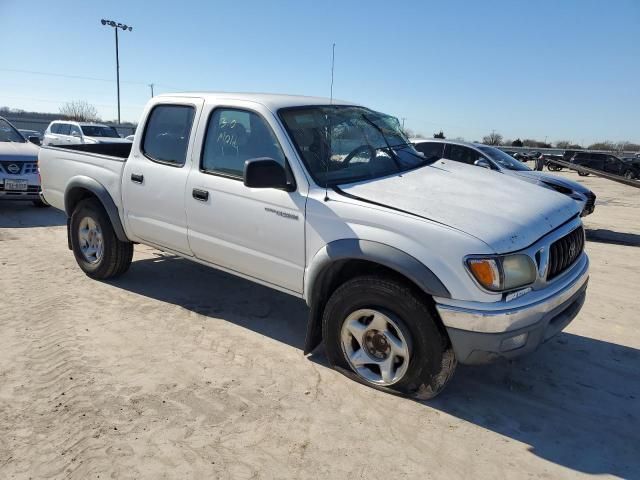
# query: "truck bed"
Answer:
x=62 y=168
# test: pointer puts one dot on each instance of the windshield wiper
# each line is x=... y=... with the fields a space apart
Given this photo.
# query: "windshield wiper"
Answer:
x=394 y=156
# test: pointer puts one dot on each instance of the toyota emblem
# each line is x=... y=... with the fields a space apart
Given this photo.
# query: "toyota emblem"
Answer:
x=13 y=168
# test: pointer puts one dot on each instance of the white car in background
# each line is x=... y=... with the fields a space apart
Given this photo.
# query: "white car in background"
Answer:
x=63 y=132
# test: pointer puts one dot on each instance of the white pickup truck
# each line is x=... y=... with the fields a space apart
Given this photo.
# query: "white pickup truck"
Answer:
x=409 y=265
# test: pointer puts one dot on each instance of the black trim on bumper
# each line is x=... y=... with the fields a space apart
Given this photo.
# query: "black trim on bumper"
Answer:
x=473 y=348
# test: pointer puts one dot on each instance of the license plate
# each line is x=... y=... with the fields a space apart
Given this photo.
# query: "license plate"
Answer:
x=16 y=184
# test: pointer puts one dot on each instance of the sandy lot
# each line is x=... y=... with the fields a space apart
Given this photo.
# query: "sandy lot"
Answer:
x=179 y=371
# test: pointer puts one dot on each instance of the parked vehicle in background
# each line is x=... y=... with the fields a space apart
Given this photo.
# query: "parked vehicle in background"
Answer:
x=63 y=132
x=605 y=162
x=31 y=135
x=551 y=165
x=19 y=179
x=495 y=159
x=409 y=264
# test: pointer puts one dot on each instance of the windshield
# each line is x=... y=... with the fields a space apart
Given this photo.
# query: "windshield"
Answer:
x=344 y=144
x=99 y=131
x=8 y=133
x=503 y=159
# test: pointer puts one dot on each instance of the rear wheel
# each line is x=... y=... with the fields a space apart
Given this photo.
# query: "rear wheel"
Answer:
x=98 y=251
x=629 y=175
x=380 y=332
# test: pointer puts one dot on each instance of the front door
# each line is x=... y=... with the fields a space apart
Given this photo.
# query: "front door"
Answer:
x=255 y=232
x=154 y=178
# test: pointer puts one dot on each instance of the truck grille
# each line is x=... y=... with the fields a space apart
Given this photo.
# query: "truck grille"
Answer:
x=564 y=252
x=18 y=168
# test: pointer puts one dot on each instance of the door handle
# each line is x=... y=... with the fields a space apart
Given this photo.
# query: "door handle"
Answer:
x=137 y=178
x=201 y=195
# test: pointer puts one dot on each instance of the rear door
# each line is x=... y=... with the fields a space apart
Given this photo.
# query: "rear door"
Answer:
x=612 y=165
x=75 y=135
x=56 y=137
x=154 y=178
x=64 y=134
x=255 y=232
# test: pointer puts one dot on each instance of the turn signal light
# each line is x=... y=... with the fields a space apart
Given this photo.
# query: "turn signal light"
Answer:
x=486 y=271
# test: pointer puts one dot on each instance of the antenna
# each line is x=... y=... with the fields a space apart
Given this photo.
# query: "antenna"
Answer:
x=326 y=173
x=333 y=59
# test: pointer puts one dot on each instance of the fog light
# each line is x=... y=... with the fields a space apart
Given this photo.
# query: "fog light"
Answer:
x=512 y=343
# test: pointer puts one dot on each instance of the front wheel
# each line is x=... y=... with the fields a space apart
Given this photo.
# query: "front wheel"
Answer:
x=98 y=251
x=381 y=332
x=629 y=175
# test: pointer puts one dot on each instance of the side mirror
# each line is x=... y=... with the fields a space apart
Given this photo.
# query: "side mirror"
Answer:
x=75 y=134
x=34 y=139
x=481 y=162
x=265 y=173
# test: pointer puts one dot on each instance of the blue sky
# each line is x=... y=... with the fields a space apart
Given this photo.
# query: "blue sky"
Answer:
x=557 y=69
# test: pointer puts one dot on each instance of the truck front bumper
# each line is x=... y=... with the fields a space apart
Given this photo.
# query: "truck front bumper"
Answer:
x=481 y=333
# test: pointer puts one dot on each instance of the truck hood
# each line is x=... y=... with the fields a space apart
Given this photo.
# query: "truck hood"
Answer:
x=505 y=213
x=18 y=152
x=535 y=176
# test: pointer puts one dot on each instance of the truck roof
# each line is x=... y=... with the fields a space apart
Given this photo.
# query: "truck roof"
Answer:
x=273 y=101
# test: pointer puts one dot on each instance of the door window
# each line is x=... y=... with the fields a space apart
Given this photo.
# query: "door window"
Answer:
x=431 y=150
x=166 y=134
x=75 y=130
x=462 y=154
x=64 y=128
x=234 y=136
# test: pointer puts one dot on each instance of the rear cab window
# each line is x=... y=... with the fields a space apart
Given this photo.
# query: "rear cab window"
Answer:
x=166 y=134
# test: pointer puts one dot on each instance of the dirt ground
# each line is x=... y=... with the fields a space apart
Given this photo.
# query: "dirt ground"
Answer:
x=179 y=371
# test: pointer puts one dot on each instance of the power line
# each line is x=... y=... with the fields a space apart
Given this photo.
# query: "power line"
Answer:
x=63 y=75
x=81 y=77
x=49 y=100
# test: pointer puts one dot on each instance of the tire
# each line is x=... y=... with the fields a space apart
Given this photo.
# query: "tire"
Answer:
x=629 y=175
x=111 y=257
x=583 y=174
x=40 y=203
x=364 y=301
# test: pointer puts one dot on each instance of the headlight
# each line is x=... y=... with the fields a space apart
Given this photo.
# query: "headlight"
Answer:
x=503 y=273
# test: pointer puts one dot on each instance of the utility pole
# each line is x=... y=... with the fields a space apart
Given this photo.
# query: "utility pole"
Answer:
x=151 y=87
x=116 y=26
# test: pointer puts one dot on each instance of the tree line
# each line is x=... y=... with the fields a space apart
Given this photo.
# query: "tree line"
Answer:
x=496 y=139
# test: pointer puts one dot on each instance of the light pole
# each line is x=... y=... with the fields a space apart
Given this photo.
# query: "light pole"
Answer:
x=116 y=26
